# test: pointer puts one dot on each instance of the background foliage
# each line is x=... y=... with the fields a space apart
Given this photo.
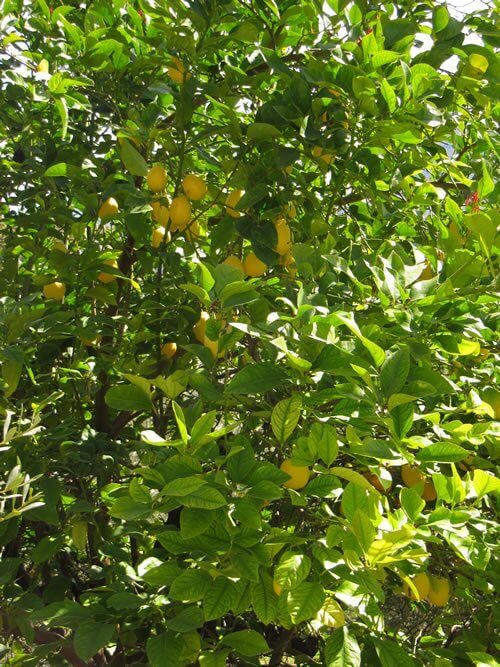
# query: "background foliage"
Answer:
x=144 y=517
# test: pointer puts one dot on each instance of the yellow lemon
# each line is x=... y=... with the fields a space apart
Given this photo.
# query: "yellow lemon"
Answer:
x=277 y=588
x=284 y=233
x=200 y=327
x=212 y=345
x=290 y=210
x=299 y=475
x=235 y=262
x=157 y=178
x=411 y=476
x=104 y=277
x=54 y=291
x=108 y=208
x=326 y=157
x=192 y=232
x=253 y=267
x=439 y=591
x=232 y=201
x=422 y=584
x=429 y=493
x=43 y=66
x=180 y=213
x=160 y=213
x=169 y=350
x=158 y=236
x=194 y=187
x=317 y=151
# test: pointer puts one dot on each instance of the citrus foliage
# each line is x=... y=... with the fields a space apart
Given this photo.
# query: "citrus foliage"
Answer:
x=248 y=328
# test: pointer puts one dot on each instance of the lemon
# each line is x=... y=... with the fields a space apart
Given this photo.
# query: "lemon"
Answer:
x=253 y=267
x=192 y=232
x=108 y=208
x=284 y=233
x=429 y=492
x=212 y=345
x=411 y=476
x=317 y=151
x=439 y=591
x=299 y=475
x=55 y=290
x=326 y=157
x=158 y=236
x=104 y=277
x=235 y=262
x=180 y=213
x=200 y=327
x=290 y=210
x=194 y=187
x=156 y=178
x=422 y=583
x=232 y=201
x=169 y=350
x=160 y=213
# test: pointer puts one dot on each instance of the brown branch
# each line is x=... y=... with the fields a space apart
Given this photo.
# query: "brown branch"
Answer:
x=280 y=647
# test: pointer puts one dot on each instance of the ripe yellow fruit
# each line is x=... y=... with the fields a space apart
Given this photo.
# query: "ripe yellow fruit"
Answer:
x=429 y=493
x=284 y=242
x=180 y=213
x=200 y=327
x=299 y=475
x=422 y=583
x=43 y=66
x=192 y=231
x=375 y=481
x=290 y=210
x=177 y=72
x=157 y=178
x=439 y=591
x=411 y=476
x=326 y=157
x=317 y=151
x=160 y=213
x=253 y=267
x=277 y=588
x=104 y=277
x=492 y=396
x=108 y=208
x=235 y=262
x=55 y=290
x=194 y=187
x=169 y=349
x=212 y=345
x=158 y=236
x=232 y=201
x=59 y=245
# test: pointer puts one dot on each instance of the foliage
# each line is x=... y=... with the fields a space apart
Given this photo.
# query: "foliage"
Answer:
x=144 y=514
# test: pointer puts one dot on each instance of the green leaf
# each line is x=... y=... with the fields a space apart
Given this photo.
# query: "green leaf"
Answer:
x=194 y=521
x=12 y=366
x=292 y=569
x=181 y=422
x=411 y=503
x=389 y=95
x=444 y=452
x=133 y=160
x=187 y=620
x=128 y=397
x=394 y=372
x=342 y=650
x=128 y=509
x=256 y=378
x=363 y=529
x=62 y=109
x=391 y=654
x=440 y=18
x=264 y=598
x=46 y=548
x=285 y=417
x=219 y=598
x=323 y=440
x=190 y=586
x=165 y=649
x=247 y=513
x=205 y=497
x=90 y=637
x=402 y=418
x=485 y=482
x=304 y=601
x=183 y=486
x=246 y=642
x=262 y=132
x=63 y=169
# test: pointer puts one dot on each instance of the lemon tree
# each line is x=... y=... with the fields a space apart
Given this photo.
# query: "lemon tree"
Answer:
x=249 y=391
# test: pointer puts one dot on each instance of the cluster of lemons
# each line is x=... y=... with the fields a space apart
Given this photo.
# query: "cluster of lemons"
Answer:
x=436 y=590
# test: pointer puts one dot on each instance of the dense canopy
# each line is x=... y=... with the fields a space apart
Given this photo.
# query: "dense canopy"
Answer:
x=248 y=272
